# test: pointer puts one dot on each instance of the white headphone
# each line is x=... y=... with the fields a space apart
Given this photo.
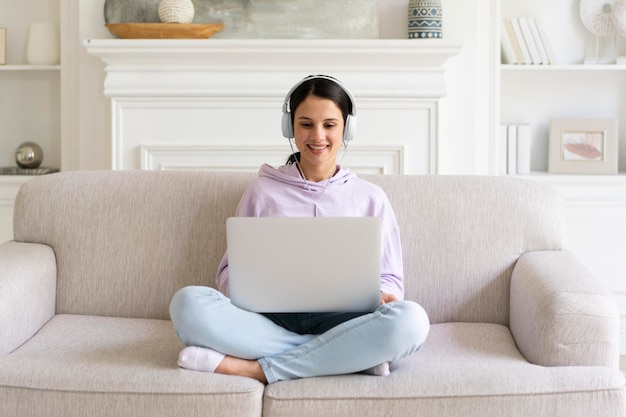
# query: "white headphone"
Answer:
x=350 y=124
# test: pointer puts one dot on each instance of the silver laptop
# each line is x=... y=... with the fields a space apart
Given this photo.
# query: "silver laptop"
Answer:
x=296 y=264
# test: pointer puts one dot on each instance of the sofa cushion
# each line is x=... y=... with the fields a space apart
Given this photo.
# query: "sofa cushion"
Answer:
x=98 y=366
x=126 y=241
x=462 y=368
x=461 y=237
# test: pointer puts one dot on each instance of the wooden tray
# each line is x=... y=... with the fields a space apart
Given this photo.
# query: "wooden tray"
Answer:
x=164 y=30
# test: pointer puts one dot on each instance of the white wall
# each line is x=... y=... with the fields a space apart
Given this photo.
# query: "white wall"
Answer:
x=464 y=121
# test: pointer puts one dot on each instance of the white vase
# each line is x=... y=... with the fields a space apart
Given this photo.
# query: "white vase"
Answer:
x=43 y=44
x=425 y=19
x=176 y=11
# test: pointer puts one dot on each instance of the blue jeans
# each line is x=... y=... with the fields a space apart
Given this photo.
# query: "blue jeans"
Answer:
x=203 y=316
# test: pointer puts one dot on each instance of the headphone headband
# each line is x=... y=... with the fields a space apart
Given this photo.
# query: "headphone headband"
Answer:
x=350 y=123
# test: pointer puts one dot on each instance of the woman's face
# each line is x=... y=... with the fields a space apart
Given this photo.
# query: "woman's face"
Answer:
x=318 y=130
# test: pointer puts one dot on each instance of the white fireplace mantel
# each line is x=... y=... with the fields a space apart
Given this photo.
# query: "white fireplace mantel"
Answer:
x=172 y=98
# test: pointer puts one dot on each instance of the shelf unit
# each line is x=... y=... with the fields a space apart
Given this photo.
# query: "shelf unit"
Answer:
x=31 y=105
x=34 y=99
x=568 y=88
x=15 y=67
x=595 y=205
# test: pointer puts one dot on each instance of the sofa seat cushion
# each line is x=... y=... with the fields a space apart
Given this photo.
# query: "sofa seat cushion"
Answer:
x=100 y=366
x=462 y=368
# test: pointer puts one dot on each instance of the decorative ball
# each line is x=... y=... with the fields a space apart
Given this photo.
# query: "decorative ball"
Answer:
x=176 y=11
x=29 y=155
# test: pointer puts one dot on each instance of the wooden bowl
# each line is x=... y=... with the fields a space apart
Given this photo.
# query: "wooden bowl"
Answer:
x=164 y=30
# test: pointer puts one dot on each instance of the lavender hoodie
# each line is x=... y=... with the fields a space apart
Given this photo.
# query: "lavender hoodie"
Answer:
x=282 y=193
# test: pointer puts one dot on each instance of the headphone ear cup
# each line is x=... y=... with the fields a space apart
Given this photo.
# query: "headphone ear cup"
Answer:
x=287 y=125
x=349 y=129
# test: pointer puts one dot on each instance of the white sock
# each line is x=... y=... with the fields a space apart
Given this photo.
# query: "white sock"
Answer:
x=199 y=359
x=378 y=370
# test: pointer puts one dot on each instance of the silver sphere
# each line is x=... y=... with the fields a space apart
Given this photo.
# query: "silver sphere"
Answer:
x=29 y=155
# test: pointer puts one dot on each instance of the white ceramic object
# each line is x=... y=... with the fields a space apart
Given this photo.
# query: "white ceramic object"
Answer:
x=598 y=16
x=43 y=44
x=176 y=11
x=620 y=17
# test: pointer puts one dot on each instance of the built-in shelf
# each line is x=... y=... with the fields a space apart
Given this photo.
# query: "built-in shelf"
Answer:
x=576 y=67
x=27 y=67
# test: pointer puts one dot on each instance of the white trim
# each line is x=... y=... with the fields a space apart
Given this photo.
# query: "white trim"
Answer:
x=363 y=159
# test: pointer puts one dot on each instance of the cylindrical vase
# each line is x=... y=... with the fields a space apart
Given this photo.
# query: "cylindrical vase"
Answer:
x=425 y=19
x=43 y=44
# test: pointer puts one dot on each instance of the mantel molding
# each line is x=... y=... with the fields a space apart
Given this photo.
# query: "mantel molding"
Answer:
x=175 y=67
x=231 y=54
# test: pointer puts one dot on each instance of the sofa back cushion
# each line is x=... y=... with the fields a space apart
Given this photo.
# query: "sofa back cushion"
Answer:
x=461 y=237
x=125 y=241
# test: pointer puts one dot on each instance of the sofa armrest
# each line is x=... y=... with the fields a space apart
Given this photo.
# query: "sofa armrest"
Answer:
x=27 y=291
x=561 y=315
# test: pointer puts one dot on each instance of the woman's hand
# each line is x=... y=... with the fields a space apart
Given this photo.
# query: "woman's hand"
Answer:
x=387 y=298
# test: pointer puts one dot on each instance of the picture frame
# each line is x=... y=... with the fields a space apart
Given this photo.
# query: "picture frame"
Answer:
x=3 y=46
x=583 y=146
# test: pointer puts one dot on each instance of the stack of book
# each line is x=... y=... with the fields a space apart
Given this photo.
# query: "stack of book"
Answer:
x=524 y=42
x=514 y=149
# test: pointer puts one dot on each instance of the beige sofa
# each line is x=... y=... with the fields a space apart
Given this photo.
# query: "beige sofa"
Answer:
x=520 y=328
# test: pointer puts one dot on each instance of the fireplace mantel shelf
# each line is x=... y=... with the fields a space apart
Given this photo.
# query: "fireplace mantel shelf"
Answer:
x=240 y=53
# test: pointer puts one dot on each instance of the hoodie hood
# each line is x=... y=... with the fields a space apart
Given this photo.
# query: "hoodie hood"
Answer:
x=290 y=174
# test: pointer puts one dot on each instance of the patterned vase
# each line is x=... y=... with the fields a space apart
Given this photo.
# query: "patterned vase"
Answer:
x=176 y=11
x=425 y=19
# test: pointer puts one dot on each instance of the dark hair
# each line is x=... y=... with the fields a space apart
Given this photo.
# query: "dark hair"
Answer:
x=323 y=88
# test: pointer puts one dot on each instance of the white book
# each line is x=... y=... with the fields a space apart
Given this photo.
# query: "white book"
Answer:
x=511 y=140
x=503 y=151
x=508 y=53
x=523 y=149
x=534 y=29
x=517 y=50
x=544 y=41
x=520 y=39
x=530 y=41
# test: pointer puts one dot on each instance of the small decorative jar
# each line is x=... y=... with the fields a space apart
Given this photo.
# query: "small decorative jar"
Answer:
x=425 y=19
x=176 y=11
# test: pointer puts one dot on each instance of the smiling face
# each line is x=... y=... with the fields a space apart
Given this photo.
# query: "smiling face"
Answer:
x=318 y=130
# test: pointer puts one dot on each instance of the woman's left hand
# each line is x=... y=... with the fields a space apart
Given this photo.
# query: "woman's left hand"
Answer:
x=387 y=298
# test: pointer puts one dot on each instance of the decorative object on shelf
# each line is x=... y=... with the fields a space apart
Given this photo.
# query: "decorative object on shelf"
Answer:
x=29 y=155
x=265 y=19
x=164 y=30
x=583 y=146
x=599 y=18
x=619 y=14
x=620 y=21
x=176 y=11
x=3 y=46
x=131 y=11
x=27 y=171
x=425 y=19
x=43 y=44
x=524 y=42
x=514 y=149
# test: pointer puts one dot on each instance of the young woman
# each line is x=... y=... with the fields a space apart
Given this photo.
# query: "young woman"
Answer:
x=319 y=114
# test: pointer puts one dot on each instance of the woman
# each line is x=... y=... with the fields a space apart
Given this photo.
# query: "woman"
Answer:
x=319 y=114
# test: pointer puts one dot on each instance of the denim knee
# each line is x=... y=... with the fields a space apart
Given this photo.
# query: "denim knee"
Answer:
x=409 y=326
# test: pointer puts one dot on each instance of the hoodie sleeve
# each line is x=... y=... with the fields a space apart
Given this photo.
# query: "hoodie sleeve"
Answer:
x=392 y=275
x=245 y=208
